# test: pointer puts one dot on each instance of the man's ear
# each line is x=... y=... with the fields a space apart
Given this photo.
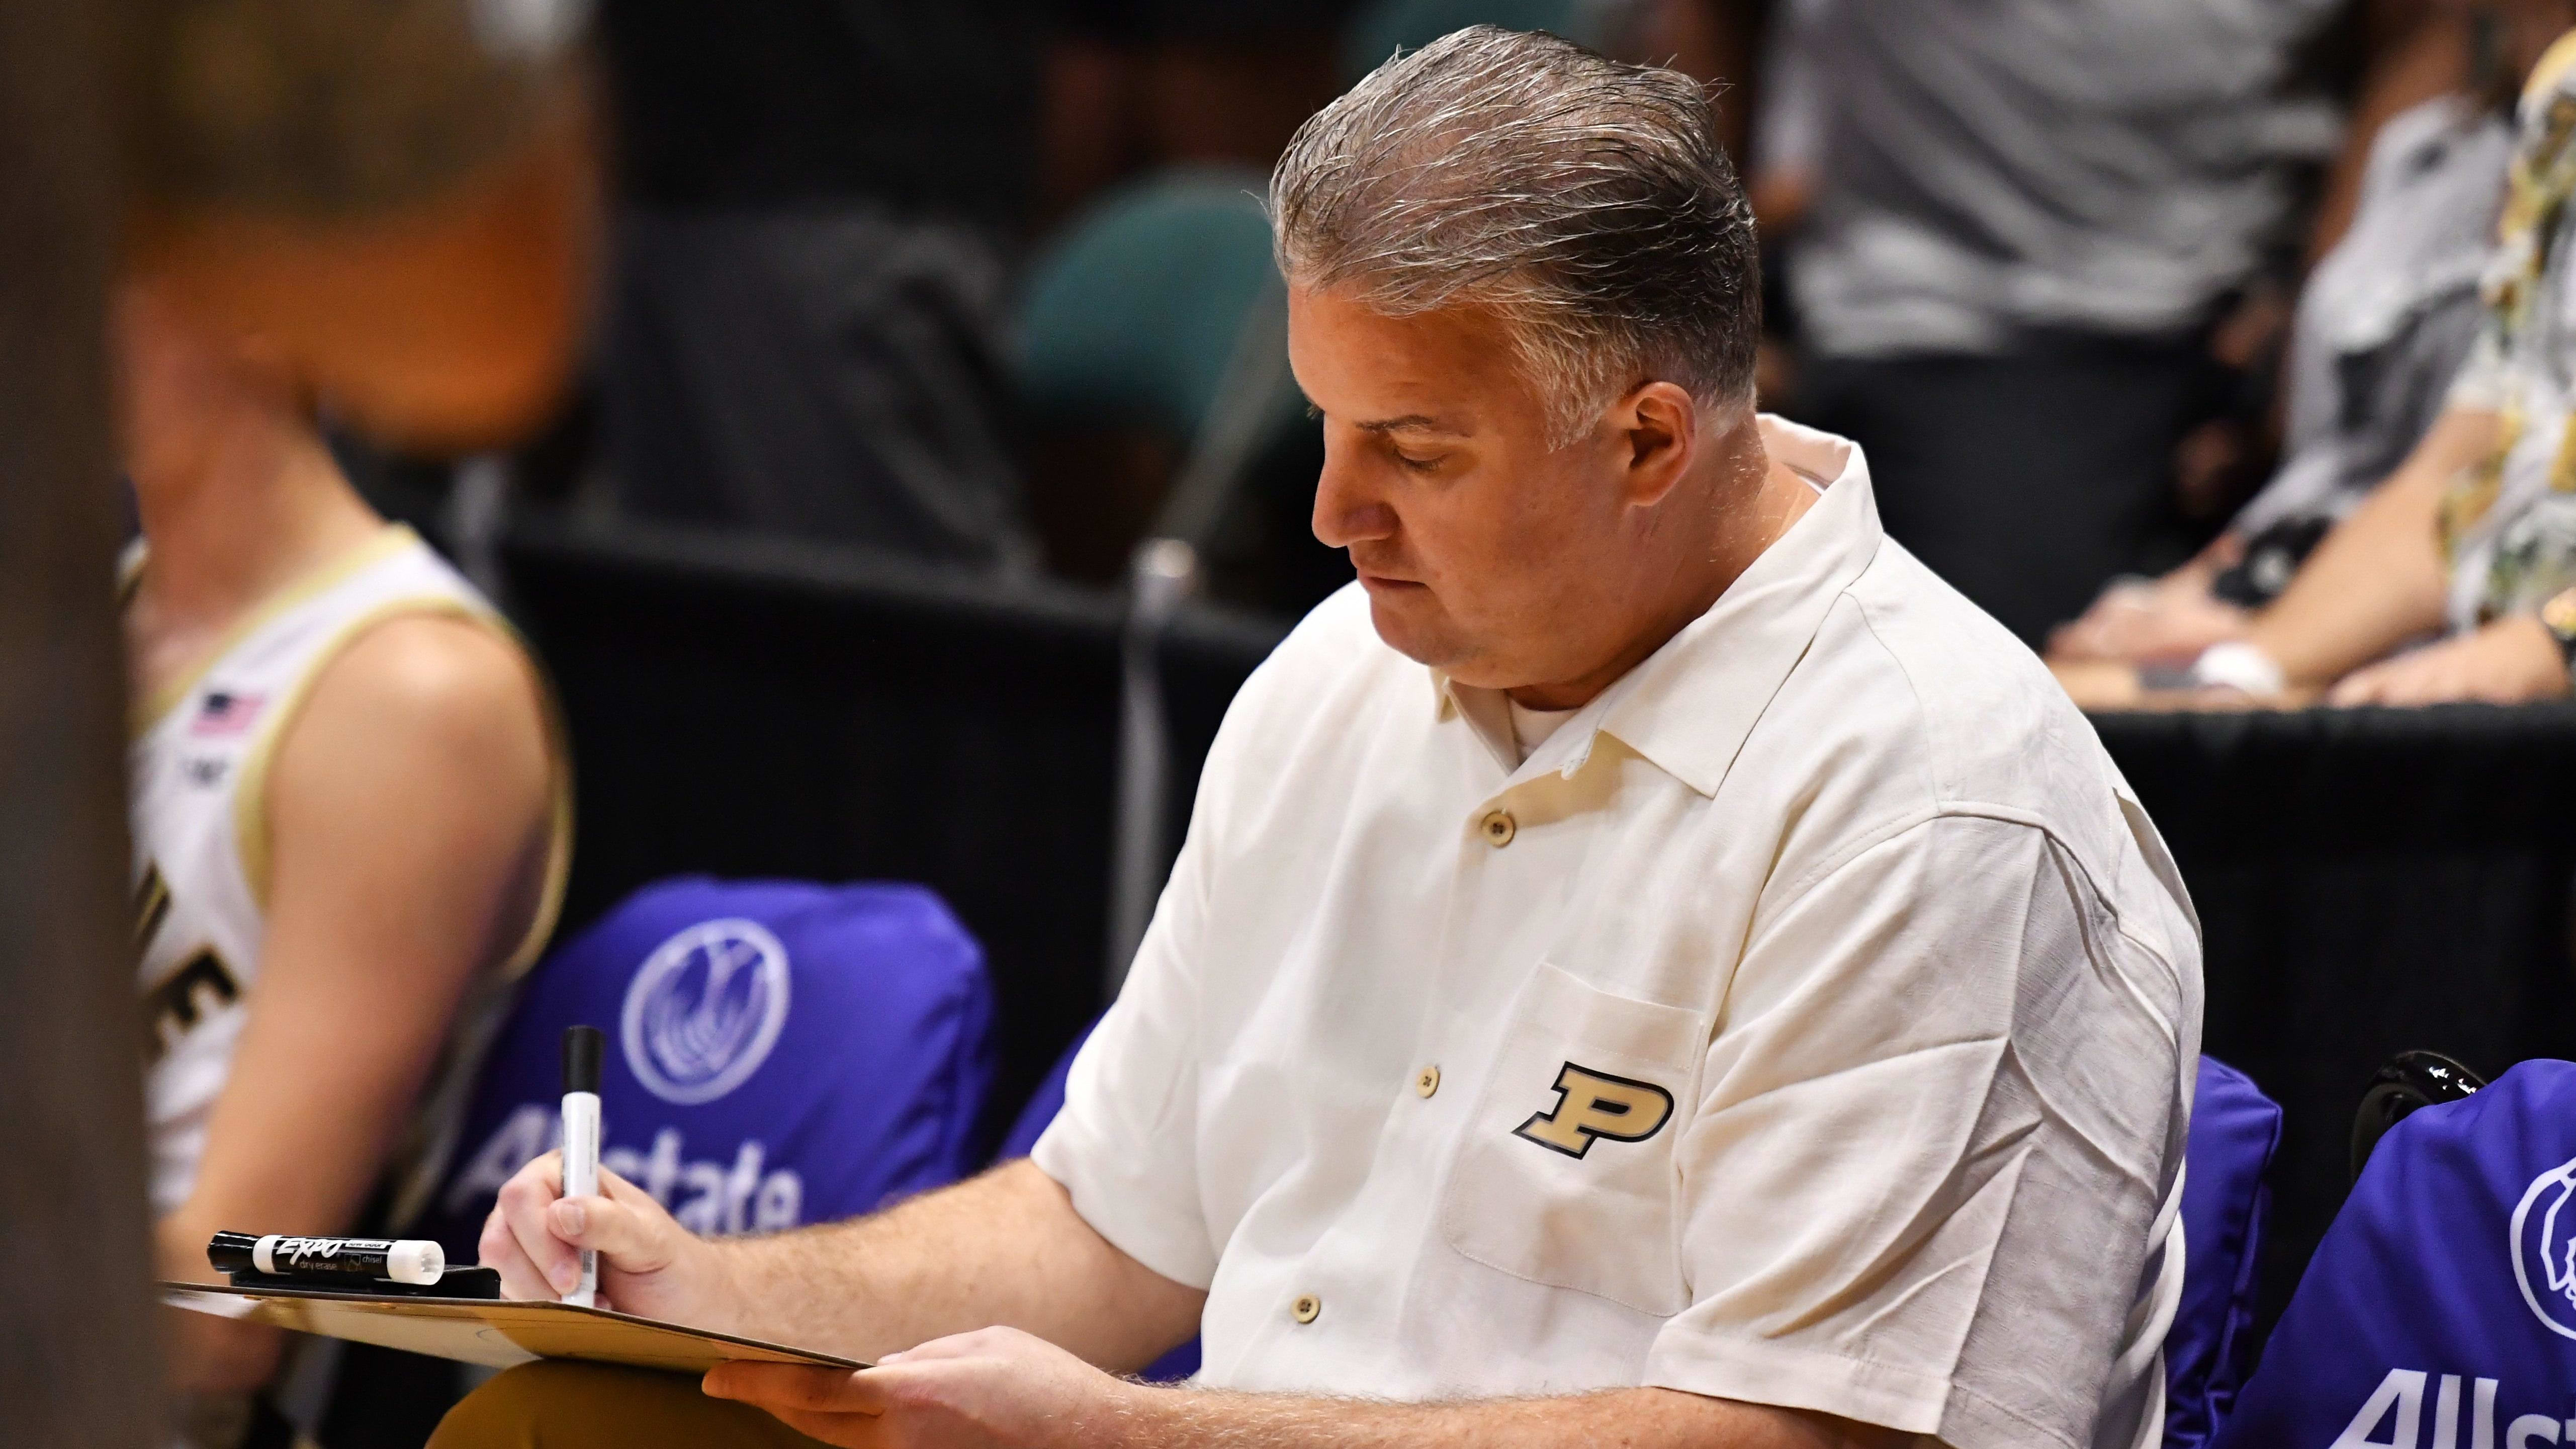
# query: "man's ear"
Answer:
x=1660 y=424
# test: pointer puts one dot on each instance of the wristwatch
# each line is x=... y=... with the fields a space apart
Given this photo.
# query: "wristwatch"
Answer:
x=2558 y=616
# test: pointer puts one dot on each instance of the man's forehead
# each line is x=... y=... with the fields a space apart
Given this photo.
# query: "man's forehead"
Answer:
x=1433 y=372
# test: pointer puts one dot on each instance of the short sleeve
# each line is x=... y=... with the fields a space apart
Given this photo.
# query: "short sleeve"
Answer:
x=1939 y=1117
x=1125 y=1144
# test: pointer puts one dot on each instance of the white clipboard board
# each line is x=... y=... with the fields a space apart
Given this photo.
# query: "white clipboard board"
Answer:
x=499 y=1333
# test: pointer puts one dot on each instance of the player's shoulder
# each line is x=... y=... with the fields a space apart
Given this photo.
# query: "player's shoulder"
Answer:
x=430 y=680
x=437 y=661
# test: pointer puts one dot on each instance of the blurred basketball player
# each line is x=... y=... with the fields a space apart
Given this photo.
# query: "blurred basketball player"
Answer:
x=350 y=827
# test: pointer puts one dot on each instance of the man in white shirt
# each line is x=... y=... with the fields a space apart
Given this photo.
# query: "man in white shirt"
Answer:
x=1651 y=964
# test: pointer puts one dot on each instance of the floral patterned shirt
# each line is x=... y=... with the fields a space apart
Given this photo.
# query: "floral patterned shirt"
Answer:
x=2509 y=523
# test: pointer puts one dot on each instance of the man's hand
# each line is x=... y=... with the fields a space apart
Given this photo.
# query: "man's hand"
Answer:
x=2511 y=661
x=648 y=1264
x=995 y=1386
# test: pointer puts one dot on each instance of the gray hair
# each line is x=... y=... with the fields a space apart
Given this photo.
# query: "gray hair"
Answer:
x=1583 y=201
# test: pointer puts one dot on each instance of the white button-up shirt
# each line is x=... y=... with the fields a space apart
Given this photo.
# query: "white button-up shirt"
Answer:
x=1810 y=1020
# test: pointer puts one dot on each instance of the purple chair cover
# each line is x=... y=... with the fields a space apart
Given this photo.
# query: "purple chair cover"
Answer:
x=2234 y=1129
x=2440 y=1310
x=779 y=1053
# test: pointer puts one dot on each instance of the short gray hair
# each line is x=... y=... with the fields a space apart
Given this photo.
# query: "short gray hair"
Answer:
x=1583 y=201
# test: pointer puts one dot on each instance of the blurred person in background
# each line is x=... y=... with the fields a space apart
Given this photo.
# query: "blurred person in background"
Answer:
x=2472 y=541
x=1136 y=84
x=2022 y=227
x=804 y=328
x=821 y=206
x=350 y=829
x=2382 y=327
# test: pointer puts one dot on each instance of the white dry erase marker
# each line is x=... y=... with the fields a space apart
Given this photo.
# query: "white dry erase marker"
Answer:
x=402 y=1260
x=582 y=1046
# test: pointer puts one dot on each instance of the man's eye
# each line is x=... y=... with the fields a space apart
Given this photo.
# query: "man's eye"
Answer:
x=1418 y=465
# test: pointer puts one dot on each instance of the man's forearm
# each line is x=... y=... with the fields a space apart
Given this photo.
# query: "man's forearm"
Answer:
x=1640 y=1418
x=1005 y=1248
x=2378 y=579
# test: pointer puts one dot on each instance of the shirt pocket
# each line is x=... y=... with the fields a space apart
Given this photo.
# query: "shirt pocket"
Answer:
x=1565 y=1175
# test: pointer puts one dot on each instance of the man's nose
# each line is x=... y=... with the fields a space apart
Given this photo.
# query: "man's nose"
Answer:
x=1348 y=509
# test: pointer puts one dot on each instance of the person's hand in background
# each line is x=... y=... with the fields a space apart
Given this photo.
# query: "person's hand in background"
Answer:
x=2510 y=661
x=2160 y=621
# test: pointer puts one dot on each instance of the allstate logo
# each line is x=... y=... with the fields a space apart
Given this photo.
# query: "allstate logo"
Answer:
x=704 y=1010
x=2544 y=1248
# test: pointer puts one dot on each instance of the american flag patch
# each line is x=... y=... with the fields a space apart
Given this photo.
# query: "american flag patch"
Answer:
x=226 y=713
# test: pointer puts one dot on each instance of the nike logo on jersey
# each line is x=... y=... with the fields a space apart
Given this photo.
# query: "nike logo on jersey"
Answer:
x=1592 y=1105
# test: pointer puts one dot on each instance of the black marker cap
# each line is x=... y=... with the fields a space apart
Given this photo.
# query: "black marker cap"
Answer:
x=583 y=1046
x=230 y=1252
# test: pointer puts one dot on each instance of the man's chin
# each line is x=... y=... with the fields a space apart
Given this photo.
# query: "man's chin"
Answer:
x=1413 y=625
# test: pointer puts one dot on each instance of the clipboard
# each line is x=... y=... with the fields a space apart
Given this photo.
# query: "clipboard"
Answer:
x=498 y=1333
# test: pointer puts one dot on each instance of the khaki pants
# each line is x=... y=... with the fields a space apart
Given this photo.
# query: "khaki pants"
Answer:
x=562 y=1404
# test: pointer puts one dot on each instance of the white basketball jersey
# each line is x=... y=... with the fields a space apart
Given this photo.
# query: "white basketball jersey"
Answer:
x=199 y=768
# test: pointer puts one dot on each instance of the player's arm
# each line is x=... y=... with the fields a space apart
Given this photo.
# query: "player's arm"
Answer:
x=2378 y=580
x=408 y=805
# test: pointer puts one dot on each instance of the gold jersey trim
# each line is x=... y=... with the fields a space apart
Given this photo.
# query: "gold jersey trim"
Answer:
x=251 y=832
x=394 y=538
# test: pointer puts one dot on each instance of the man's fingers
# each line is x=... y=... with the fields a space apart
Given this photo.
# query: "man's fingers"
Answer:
x=2363 y=686
x=802 y=1387
x=620 y=1232
x=524 y=1203
x=499 y=1248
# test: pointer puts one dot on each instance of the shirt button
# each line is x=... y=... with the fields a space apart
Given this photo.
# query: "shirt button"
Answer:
x=1427 y=1081
x=1499 y=828
x=1306 y=1307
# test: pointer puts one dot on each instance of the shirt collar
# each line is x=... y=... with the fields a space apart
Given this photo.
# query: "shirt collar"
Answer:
x=1690 y=705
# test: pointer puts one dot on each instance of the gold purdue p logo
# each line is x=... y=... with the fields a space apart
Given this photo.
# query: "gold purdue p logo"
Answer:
x=1591 y=1105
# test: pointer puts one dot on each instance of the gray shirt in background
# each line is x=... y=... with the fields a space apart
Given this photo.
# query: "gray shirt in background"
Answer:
x=1990 y=169
x=2387 y=317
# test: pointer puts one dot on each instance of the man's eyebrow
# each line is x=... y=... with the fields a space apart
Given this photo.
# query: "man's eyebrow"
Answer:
x=1410 y=422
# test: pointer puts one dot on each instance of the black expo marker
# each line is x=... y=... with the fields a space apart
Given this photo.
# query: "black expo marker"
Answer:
x=582 y=1048
x=401 y=1260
